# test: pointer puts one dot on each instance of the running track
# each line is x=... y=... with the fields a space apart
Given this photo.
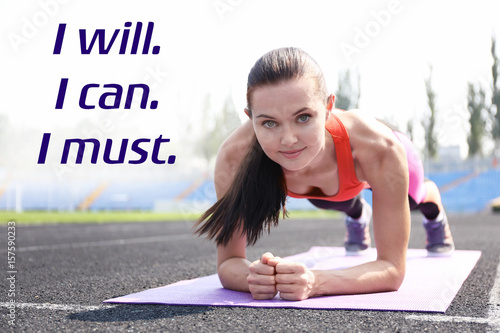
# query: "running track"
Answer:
x=64 y=272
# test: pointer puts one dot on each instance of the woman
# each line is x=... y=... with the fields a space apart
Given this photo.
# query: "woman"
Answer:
x=295 y=143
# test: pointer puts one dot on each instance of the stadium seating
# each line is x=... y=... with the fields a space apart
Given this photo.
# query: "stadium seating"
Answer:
x=45 y=195
x=464 y=193
x=473 y=195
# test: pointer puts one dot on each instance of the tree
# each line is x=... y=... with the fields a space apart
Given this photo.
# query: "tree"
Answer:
x=205 y=149
x=5 y=132
x=495 y=98
x=226 y=121
x=409 y=129
x=431 y=143
x=347 y=95
x=476 y=103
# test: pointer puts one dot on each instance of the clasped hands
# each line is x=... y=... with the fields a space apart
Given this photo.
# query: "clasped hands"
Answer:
x=270 y=275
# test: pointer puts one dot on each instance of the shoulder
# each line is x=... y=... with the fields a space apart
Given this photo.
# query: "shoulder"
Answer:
x=366 y=132
x=236 y=145
x=373 y=143
x=230 y=155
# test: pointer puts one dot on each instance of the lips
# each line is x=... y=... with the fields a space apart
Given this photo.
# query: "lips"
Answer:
x=291 y=154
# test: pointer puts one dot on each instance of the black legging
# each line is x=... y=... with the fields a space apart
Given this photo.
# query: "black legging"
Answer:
x=354 y=206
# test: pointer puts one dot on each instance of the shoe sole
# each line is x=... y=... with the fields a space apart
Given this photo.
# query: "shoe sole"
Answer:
x=440 y=254
x=356 y=253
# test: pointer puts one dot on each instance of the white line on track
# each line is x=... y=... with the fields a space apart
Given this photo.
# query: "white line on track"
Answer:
x=60 y=307
x=493 y=319
x=452 y=319
x=493 y=310
x=152 y=239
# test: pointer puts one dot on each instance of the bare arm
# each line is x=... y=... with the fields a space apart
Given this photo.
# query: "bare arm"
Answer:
x=383 y=164
x=232 y=265
x=380 y=159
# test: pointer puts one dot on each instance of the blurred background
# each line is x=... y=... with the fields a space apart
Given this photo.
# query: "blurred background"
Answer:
x=429 y=68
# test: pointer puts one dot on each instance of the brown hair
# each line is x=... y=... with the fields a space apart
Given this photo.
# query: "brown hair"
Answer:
x=258 y=192
x=285 y=64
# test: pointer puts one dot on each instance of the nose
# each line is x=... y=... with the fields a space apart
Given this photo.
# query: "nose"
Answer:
x=288 y=137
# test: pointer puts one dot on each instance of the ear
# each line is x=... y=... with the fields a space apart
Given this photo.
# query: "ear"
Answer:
x=248 y=112
x=331 y=102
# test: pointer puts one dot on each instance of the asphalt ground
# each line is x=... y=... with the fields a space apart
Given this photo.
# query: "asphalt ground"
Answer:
x=64 y=272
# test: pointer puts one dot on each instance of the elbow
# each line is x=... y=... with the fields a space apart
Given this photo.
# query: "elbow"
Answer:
x=233 y=274
x=395 y=283
x=233 y=282
x=225 y=277
x=395 y=276
x=396 y=279
x=224 y=282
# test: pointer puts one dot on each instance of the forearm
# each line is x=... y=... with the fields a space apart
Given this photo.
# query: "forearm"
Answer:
x=233 y=273
x=375 y=276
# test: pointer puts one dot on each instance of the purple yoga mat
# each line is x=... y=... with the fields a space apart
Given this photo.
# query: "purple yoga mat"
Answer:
x=430 y=285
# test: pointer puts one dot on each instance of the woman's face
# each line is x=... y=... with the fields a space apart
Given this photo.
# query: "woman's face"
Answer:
x=289 y=122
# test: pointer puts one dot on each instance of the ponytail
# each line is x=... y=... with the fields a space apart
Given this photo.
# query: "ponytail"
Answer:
x=252 y=203
x=258 y=193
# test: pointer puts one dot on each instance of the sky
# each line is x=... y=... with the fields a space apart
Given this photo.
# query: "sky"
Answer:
x=207 y=47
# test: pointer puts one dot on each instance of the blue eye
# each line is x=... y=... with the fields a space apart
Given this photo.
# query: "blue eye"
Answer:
x=269 y=123
x=303 y=118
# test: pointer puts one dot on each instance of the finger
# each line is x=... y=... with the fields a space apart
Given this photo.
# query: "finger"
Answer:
x=264 y=296
x=263 y=292
x=292 y=296
x=265 y=257
x=286 y=288
x=260 y=289
x=281 y=278
x=264 y=280
x=274 y=261
x=257 y=267
x=290 y=267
